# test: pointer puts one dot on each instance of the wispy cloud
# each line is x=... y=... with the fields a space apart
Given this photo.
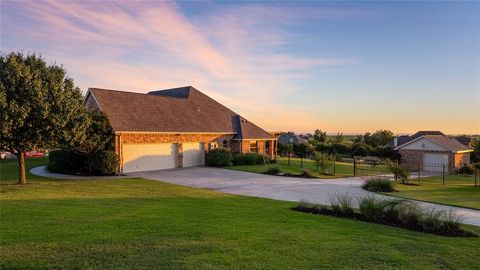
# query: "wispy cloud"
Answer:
x=236 y=55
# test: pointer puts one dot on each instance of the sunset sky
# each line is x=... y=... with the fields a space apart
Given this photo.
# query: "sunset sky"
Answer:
x=338 y=66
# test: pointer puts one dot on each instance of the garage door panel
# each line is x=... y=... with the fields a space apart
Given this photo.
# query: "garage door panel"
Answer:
x=434 y=161
x=147 y=157
x=192 y=154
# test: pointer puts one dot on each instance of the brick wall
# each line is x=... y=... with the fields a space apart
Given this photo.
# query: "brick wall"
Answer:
x=411 y=159
x=245 y=146
x=167 y=138
x=461 y=159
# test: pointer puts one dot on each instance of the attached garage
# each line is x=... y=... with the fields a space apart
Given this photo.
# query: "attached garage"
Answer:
x=193 y=154
x=434 y=162
x=149 y=156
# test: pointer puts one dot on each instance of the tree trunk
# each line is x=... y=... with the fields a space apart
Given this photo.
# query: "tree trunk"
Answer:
x=22 y=179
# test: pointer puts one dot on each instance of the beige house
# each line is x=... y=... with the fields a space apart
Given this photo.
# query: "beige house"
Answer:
x=174 y=128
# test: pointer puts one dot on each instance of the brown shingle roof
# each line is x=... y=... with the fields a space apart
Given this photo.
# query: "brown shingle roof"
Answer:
x=182 y=109
x=451 y=143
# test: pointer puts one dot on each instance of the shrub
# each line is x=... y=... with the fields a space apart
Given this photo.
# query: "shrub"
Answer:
x=378 y=185
x=323 y=162
x=371 y=208
x=466 y=169
x=307 y=173
x=105 y=163
x=57 y=161
x=218 y=157
x=66 y=161
x=238 y=159
x=399 y=172
x=273 y=170
x=342 y=205
x=250 y=159
x=392 y=212
x=102 y=162
x=410 y=215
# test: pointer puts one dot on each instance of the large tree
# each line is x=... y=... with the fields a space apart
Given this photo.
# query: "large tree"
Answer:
x=40 y=107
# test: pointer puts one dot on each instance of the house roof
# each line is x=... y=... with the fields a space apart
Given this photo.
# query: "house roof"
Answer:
x=290 y=137
x=183 y=110
x=405 y=138
x=442 y=140
x=426 y=132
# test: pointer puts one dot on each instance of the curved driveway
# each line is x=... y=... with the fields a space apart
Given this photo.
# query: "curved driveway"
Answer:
x=280 y=188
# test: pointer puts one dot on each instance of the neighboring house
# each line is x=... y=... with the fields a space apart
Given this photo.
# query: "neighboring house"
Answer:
x=173 y=128
x=397 y=141
x=290 y=137
x=433 y=152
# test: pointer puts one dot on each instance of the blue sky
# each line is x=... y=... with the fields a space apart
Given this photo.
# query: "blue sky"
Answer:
x=338 y=66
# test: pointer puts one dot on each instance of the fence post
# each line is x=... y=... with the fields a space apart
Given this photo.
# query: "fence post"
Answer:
x=476 y=172
x=354 y=167
x=443 y=174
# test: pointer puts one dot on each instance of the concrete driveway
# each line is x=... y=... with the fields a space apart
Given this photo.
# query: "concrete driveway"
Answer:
x=280 y=188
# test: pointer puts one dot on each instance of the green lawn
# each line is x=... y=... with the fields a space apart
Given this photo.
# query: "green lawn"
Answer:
x=342 y=169
x=459 y=192
x=143 y=224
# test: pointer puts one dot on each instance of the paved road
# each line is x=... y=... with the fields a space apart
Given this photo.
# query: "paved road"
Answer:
x=280 y=188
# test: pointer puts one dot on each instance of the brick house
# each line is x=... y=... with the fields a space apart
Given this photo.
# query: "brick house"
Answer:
x=435 y=152
x=174 y=128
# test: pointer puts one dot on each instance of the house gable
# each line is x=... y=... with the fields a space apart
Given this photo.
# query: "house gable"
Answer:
x=423 y=144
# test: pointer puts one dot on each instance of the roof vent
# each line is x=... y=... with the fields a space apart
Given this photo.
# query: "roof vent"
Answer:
x=244 y=121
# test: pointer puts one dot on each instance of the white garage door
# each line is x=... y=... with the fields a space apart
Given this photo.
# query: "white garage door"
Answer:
x=433 y=162
x=192 y=154
x=149 y=156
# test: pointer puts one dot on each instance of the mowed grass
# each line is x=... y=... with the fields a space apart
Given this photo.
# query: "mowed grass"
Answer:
x=143 y=224
x=458 y=191
x=342 y=169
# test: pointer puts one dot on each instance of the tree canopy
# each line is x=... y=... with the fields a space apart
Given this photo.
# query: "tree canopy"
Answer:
x=41 y=107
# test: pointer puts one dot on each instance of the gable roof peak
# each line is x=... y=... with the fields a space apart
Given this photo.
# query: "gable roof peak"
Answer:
x=178 y=92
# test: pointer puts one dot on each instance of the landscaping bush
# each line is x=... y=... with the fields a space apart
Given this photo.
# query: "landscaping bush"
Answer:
x=466 y=169
x=399 y=172
x=219 y=157
x=378 y=185
x=57 y=161
x=273 y=170
x=250 y=159
x=307 y=173
x=342 y=205
x=65 y=161
x=102 y=162
x=238 y=160
x=105 y=163
x=399 y=213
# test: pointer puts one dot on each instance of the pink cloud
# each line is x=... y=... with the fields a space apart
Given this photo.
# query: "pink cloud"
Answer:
x=152 y=45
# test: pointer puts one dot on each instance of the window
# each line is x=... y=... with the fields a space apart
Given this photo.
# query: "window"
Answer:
x=225 y=144
x=212 y=146
x=267 y=147
x=253 y=146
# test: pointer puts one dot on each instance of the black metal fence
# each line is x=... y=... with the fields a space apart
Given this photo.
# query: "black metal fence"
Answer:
x=437 y=174
x=441 y=174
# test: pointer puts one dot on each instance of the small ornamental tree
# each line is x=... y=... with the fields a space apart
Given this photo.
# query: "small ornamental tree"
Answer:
x=40 y=107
